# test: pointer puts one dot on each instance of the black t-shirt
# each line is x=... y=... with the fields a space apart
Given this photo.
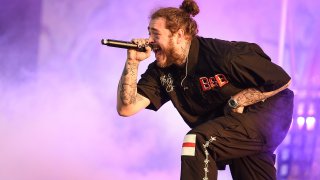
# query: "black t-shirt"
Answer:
x=215 y=70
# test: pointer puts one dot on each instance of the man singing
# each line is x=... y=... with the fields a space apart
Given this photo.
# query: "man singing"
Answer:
x=234 y=99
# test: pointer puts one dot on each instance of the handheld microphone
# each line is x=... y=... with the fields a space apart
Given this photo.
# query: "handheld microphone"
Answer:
x=124 y=44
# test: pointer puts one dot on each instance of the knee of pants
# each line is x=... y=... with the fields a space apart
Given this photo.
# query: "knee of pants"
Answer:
x=197 y=144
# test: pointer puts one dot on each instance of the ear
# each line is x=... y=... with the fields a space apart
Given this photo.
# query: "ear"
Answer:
x=180 y=36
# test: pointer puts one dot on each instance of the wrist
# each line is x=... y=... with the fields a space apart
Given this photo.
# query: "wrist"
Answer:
x=133 y=60
x=233 y=103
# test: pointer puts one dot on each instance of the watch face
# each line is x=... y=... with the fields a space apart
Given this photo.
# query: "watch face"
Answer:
x=233 y=103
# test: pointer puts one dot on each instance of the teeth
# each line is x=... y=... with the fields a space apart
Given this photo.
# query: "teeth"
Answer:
x=155 y=49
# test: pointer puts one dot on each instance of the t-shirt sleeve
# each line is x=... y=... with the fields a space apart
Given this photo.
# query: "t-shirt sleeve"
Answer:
x=251 y=67
x=149 y=86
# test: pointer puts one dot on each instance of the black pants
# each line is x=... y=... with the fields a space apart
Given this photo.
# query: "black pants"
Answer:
x=245 y=142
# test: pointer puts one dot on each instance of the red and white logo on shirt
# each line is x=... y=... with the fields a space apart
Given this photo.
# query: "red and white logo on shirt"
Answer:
x=209 y=83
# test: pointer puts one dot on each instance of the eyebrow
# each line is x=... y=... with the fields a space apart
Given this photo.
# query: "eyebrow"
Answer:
x=153 y=29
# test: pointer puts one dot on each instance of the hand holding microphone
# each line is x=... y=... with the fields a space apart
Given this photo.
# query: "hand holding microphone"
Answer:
x=138 y=49
x=127 y=44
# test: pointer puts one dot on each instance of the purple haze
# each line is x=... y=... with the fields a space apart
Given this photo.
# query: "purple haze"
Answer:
x=58 y=118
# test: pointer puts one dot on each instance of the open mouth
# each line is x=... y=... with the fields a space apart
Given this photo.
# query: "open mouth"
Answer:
x=156 y=49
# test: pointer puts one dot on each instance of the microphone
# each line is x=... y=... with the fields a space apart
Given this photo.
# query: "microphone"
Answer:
x=124 y=44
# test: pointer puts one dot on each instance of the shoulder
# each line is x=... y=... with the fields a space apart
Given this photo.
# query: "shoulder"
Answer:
x=214 y=42
x=217 y=47
x=248 y=49
x=152 y=67
x=225 y=46
x=154 y=72
x=151 y=72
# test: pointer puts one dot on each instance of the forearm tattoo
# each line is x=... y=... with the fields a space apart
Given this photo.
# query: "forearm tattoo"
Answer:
x=128 y=83
x=250 y=96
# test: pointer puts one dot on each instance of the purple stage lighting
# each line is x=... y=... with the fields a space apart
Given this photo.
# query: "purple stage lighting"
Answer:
x=310 y=123
x=300 y=122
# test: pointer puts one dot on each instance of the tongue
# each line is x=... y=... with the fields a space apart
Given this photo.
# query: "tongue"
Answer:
x=158 y=54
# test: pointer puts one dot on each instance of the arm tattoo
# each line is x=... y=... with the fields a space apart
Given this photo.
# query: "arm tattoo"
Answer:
x=128 y=83
x=250 y=96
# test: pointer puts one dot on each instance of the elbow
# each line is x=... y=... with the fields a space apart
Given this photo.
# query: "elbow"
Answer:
x=123 y=114
x=128 y=109
x=123 y=111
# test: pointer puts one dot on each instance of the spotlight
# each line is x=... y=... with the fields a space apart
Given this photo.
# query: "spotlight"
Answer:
x=310 y=123
x=300 y=121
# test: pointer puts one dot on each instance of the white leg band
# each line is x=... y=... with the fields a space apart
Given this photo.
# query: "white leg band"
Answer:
x=189 y=145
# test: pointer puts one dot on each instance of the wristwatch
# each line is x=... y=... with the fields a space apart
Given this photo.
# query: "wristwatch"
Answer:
x=233 y=103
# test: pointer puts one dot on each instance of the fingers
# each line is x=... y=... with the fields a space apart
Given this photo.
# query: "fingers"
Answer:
x=137 y=55
x=149 y=49
x=141 y=42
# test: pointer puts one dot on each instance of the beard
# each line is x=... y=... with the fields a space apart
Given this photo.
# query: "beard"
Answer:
x=170 y=56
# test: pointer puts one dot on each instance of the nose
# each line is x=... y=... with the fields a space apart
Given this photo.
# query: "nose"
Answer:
x=150 y=39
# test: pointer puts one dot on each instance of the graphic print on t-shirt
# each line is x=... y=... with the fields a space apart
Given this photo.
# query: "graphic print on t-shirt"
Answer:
x=167 y=82
x=209 y=83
